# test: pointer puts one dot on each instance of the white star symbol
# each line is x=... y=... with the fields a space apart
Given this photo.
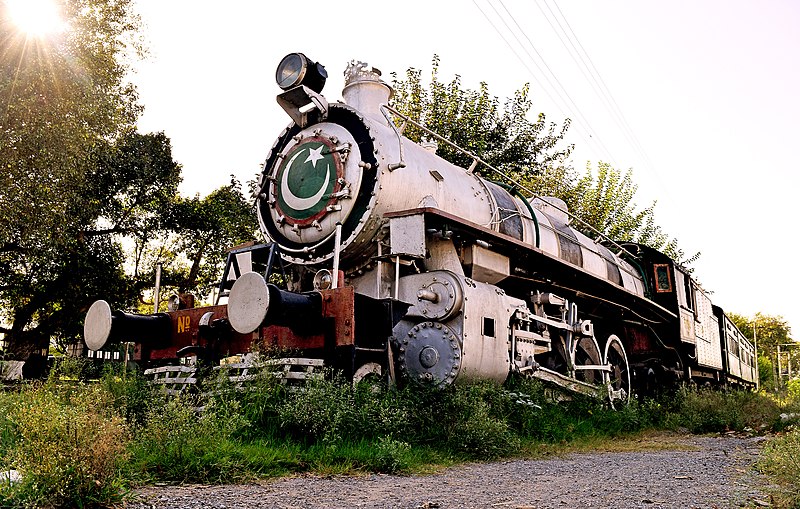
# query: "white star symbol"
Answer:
x=314 y=155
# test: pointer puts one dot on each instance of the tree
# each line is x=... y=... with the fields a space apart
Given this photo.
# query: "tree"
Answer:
x=48 y=283
x=474 y=119
x=605 y=202
x=766 y=373
x=204 y=228
x=530 y=152
x=64 y=103
x=78 y=183
x=770 y=331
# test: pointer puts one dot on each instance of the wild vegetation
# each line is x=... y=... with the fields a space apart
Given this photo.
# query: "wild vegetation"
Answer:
x=75 y=443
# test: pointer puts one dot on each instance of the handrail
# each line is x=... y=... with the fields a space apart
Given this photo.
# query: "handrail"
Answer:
x=514 y=191
x=477 y=160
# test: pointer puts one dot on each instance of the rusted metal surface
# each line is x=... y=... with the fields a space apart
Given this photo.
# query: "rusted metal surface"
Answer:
x=220 y=340
x=186 y=331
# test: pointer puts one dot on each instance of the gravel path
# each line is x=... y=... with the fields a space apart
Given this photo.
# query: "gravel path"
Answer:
x=707 y=472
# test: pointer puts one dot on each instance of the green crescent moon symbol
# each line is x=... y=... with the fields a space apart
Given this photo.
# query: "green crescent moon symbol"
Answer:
x=294 y=201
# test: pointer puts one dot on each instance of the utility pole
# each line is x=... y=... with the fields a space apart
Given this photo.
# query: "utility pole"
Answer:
x=755 y=346
x=788 y=351
x=157 y=292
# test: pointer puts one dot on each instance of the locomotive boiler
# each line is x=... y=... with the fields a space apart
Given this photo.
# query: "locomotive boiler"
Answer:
x=383 y=259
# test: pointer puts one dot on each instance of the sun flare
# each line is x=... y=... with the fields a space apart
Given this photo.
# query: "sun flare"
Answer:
x=35 y=17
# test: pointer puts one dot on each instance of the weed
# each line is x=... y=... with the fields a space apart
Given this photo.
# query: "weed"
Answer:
x=74 y=368
x=391 y=456
x=67 y=448
x=780 y=460
x=706 y=410
x=131 y=395
x=331 y=410
x=178 y=443
x=79 y=444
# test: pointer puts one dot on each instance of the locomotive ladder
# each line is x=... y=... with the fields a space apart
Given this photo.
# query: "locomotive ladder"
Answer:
x=263 y=256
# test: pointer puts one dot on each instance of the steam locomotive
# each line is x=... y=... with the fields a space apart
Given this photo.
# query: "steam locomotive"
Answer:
x=383 y=259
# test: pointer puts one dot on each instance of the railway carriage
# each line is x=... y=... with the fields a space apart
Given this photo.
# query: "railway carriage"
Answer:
x=738 y=354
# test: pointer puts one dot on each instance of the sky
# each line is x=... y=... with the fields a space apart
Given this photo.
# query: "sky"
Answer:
x=700 y=98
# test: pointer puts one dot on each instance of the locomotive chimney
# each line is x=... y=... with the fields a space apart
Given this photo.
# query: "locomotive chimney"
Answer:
x=365 y=91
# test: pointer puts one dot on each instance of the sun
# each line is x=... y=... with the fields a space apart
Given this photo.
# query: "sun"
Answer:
x=35 y=17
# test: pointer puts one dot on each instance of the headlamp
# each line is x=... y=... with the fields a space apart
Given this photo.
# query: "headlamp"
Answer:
x=296 y=69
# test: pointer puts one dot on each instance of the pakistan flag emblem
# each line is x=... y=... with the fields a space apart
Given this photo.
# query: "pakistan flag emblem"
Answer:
x=307 y=181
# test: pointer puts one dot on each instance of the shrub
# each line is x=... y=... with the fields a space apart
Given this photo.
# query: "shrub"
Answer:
x=8 y=432
x=331 y=410
x=469 y=420
x=74 y=368
x=706 y=410
x=257 y=404
x=391 y=456
x=130 y=394
x=67 y=448
x=793 y=389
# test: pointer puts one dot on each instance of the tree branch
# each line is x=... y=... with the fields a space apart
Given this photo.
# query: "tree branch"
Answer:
x=106 y=231
x=10 y=247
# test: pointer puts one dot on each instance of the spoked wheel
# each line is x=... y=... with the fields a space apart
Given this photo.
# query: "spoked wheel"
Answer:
x=370 y=372
x=587 y=352
x=618 y=380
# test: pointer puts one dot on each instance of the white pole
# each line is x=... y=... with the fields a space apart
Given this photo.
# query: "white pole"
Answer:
x=157 y=296
x=755 y=345
x=337 y=246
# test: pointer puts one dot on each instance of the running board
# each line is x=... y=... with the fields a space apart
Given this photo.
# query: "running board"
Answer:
x=567 y=383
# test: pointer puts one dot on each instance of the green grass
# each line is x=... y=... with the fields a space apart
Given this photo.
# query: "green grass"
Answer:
x=82 y=444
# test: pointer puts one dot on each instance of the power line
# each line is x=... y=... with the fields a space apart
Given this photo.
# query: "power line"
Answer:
x=582 y=124
x=524 y=63
x=597 y=79
x=513 y=50
x=558 y=87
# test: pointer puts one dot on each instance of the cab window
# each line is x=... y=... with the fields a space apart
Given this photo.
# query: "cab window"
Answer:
x=663 y=279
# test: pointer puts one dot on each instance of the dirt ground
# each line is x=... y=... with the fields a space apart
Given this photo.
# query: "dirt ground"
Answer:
x=670 y=472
